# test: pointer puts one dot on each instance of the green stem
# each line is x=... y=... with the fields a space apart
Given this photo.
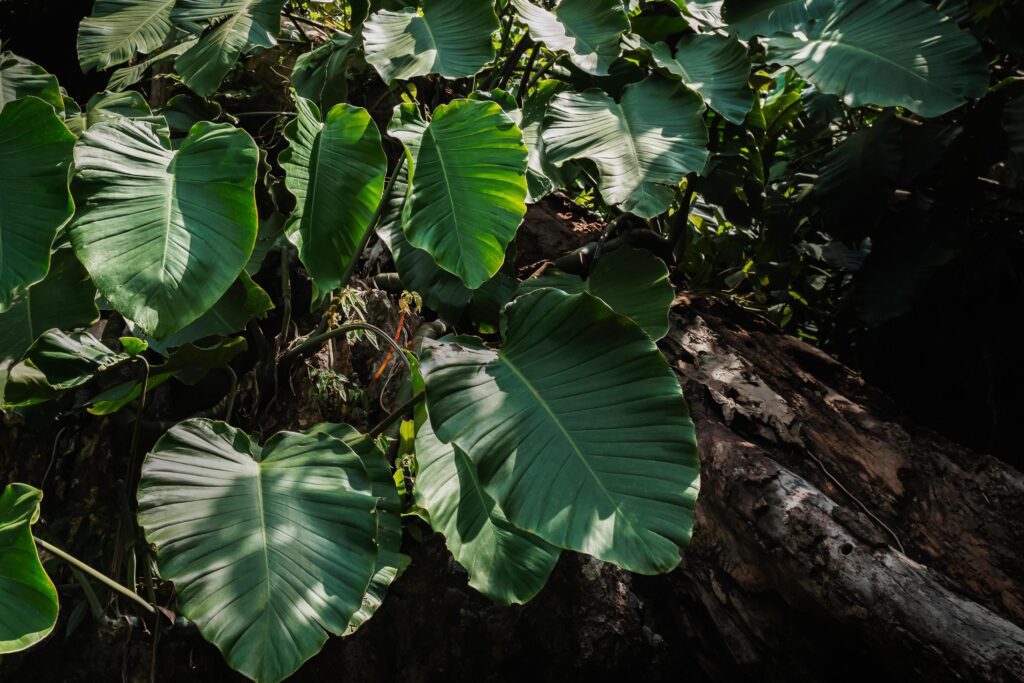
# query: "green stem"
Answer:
x=396 y=415
x=105 y=580
x=373 y=224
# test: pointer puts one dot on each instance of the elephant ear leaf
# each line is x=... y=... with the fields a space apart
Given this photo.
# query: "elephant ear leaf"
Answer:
x=452 y=39
x=20 y=77
x=633 y=282
x=588 y=30
x=577 y=411
x=504 y=563
x=236 y=26
x=468 y=193
x=900 y=53
x=35 y=153
x=164 y=233
x=641 y=151
x=28 y=599
x=120 y=29
x=336 y=170
x=270 y=548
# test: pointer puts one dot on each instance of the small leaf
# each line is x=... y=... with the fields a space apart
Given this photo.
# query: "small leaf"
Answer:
x=319 y=75
x=632 y=282
x=28 y=599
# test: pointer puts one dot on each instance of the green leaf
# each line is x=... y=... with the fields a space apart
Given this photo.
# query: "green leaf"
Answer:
x=20 y=77
x=541 y=176
x=748 y=18
x=120 y=29
x=452 y=39
x=588 y=30
x=900 y=53
x=35 y=153
x=504 y=563
x=577 y=411
x=243 y=301
x=65 y=299
x=468 y=190
x=643 y=146
x=389 y=511
x=109 y=106
x=441 y=291
x=714 y=66
x=122 y=78
x=238 y=26
x=28 y=599
x=69 y=360
x=267 y=547
x=164 y=234
x=319 y=75
x=336 y=171
x=632 y=282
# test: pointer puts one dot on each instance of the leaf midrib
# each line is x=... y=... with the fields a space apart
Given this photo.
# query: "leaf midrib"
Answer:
x=503 y=356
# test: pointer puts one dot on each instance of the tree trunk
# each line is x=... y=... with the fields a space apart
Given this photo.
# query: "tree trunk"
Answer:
x=834 y=540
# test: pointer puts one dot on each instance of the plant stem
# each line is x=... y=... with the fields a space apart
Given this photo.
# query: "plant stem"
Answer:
x=373 y=223
x=540 y=72
x=319 y=339
x=105 y=580
x=396 y=415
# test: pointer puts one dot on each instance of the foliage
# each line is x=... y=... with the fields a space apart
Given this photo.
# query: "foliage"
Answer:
x=748 y=148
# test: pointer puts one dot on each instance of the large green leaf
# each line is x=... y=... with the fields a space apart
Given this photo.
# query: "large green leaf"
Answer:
x=28 y=599
x=35 y=153
x=120 y=29
x=164 y=233
x=243 y=301
x=20 y=77
x=900 y=53
x=108 y=106
x=452 y=39
x=577 y=427
x=715 y=66
x=65 y=299
x=441 y=291
x=319 y=75
x=748 y=18
x=541 y=176
x=468 y=192
x=643 y=146
x=633 y=282
x=336 y=171
x=389 y=516
x=238 y=25
x=504 y=563
x=268 y=546
x=589 y=30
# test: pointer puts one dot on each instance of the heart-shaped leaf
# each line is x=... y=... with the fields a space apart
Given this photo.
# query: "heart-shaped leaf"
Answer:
x=577 y=427
x=164 y=234
x=336 y=171
x=452 y=39
x=269 y=547
x=588 y=30
x=643 y=146
x=468 y=192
